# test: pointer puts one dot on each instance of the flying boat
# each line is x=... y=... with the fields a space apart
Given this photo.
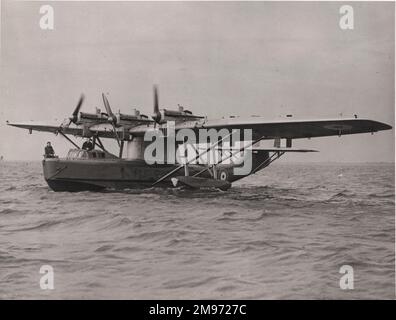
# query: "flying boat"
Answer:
x=98 y=169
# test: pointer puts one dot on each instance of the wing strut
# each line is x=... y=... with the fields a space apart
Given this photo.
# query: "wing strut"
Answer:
x=231 y=155
x=121 y=149
x=70 y=140
x=99 y=143
x=192 y=160
x=275 y=156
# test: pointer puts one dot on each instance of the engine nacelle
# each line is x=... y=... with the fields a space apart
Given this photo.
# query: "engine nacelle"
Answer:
x=175 y=115
x=92 y=117
x=122 y=117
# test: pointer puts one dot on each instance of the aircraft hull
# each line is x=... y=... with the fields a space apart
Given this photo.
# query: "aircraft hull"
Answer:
x=98 y=174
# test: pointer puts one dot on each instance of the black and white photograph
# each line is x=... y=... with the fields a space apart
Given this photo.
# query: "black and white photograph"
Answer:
x=197 y=150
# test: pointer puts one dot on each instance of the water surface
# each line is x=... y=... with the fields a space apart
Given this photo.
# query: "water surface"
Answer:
x=283 y=233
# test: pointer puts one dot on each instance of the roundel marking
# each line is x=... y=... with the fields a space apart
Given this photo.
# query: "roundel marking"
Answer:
x=223 y=175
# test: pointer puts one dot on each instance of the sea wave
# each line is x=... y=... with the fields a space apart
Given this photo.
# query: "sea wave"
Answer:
x=282 y=233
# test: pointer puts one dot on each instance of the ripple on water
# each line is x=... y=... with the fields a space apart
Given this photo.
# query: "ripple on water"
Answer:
x=282 y=233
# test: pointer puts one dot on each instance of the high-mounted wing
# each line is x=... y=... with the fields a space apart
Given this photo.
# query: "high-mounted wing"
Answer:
x=123 y=127
x=34 y=126
x=103 y=130
x=292 y=129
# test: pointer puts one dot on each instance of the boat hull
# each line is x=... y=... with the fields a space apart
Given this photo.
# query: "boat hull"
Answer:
x=98 y=174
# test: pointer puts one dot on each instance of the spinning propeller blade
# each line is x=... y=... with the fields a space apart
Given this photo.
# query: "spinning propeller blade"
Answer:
x=112 y=118
x=74 y=116
x=108 y=109
x=156 y=115
x=79 y=104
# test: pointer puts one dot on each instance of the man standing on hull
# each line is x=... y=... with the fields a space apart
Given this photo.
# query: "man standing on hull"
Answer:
x=49 y=151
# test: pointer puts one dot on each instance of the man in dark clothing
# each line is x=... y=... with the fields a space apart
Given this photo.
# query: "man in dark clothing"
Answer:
x=49 y=151
x=87 y=145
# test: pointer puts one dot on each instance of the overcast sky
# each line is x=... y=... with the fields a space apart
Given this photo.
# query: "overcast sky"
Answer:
x=219 y=59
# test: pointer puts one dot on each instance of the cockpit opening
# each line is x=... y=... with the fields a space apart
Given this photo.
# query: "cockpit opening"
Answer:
x=82 y=154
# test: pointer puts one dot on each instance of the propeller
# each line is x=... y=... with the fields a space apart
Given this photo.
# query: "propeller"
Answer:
x=112 y=118
x=74 y=116
x=157 y=114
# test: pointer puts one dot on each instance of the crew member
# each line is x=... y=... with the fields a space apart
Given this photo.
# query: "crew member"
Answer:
x=87 y=145
x=49 y=151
